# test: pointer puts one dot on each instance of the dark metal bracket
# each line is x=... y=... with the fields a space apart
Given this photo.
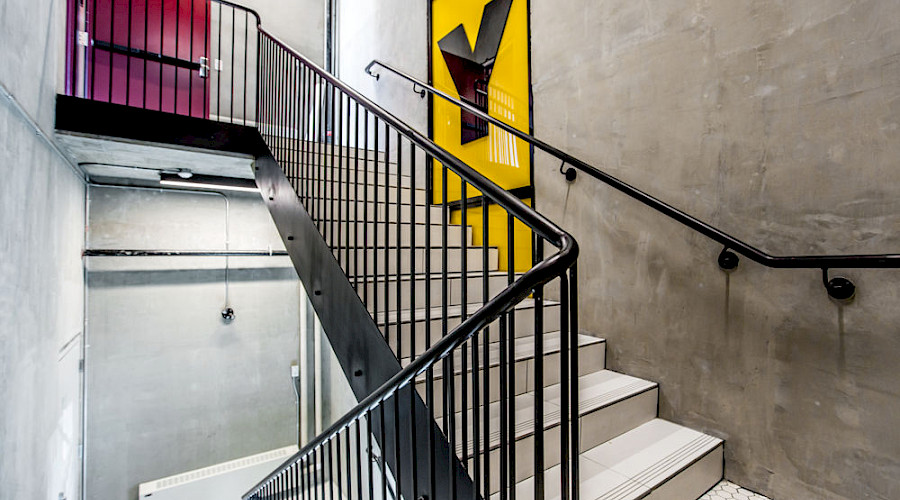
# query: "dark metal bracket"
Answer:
x=419 y=91
x=728 y=260
x=839 y=288
x=570 y=172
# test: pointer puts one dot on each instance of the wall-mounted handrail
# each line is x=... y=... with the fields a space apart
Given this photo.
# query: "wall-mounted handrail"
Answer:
x=838 y=288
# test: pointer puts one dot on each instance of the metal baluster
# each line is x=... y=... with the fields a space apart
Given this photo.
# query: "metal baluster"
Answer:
x=93 y=51
x=365 y=218
x=564 y=429
x=340 y=486
x=338 y=165
x=246 y=49
x=146 y=31
x=412 y=250
x=177 y=55
x=346 y=169
x=574 y=376
x=359 y=459
x=413 y=427
x=231 y=70
x=112 y=43
x=539 y=486
x=382 y=458
x=356 y=197
x=371 y=458
x=449 y=361
x=374 y=246
x=206 y=20
x=429 y=374
x=128 y=58
x=463 y=313
x=331 y=167
x=347 y=463
x=511 y=355
x=387 y=231
x=486 y=382
x=217 y=73
x=398 y=468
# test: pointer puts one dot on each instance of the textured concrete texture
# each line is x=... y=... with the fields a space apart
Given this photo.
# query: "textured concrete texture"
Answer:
x=41 y=286
x=396 y=32
x=300 y=24
x=170 y=386
x=777 y=122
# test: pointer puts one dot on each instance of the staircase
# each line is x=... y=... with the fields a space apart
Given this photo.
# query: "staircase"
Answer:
x=519 y=394
x=628 y=452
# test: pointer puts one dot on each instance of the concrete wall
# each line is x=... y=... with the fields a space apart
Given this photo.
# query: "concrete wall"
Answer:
x=396 y=32
x=41 y=285
x=778 y=122
x=299 y=23
x=170 y=386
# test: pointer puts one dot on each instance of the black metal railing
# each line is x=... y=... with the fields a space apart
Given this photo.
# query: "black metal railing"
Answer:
x=839 y=288
x=447 y=306
x=189 y=57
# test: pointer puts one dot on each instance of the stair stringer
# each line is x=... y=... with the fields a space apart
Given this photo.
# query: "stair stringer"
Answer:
x=362 y=351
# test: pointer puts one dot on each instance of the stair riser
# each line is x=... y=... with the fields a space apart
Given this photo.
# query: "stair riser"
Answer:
x=362 y=193
x=602 y=425
x=343 y=211
x=591 y=358
x=474 y=296
x=693 y=481
x=474 y=261
x=524 y=327
x=366 y=236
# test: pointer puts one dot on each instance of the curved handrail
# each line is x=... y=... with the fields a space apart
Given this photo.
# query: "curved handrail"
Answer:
x=726 y=261
x=543 y=272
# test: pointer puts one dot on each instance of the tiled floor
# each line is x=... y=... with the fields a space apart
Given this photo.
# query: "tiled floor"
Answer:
x=731 y=491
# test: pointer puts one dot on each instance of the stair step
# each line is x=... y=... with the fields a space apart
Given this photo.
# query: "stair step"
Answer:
x=377 y=258
x=367 y=235
x=524 y=323
x=610 y=405
x=497 y=281
x=377 y=213
x=591 y=351
x=658 y=460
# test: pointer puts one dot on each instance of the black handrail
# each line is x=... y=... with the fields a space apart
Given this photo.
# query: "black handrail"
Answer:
x=557 y=265
x=838 y=288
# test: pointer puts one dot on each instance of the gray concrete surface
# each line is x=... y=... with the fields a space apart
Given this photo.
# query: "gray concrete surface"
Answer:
x=170 y=386
x=41 y=286
x=777 y=122
x=300 y=24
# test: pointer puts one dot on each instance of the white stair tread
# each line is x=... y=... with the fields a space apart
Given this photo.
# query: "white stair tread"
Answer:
x=653 y=452
x=596 y=390
x=523 y=350
x=452 y=311
x=455 y=275
x=632 y=465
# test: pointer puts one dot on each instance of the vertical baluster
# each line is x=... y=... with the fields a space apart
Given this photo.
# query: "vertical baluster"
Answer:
x=206 y=20
x=356 y=197
x=365 y=218
x=146 y=37
x=375 y=252
x=413 y=427
x=387 y=230
x=338 y=460
x=93 y=51
x=412 y=250
x=564 y=428
x=320 y=156
x=231 y=70
x=112 y=44
x=371 y=457
x=382 y=457
x=246 y=50
x=539 y=486
x=347 y=469
x=573 y=375
x=511 y=355
x=449 y=361
x=504 y=409
x=218 y=73
x=463 y=313
x=486 y=381
x=345 y=146
x=398 y=469
x=359 y=459
x=332 y=183
x=429 y=374
x=128 y=58
x=177 y=55
x=337 y=143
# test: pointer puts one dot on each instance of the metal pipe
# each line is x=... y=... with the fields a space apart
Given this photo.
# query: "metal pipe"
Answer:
x=182 y=253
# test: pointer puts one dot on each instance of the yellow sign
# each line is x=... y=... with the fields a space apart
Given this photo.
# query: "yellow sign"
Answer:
x=480 y=55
